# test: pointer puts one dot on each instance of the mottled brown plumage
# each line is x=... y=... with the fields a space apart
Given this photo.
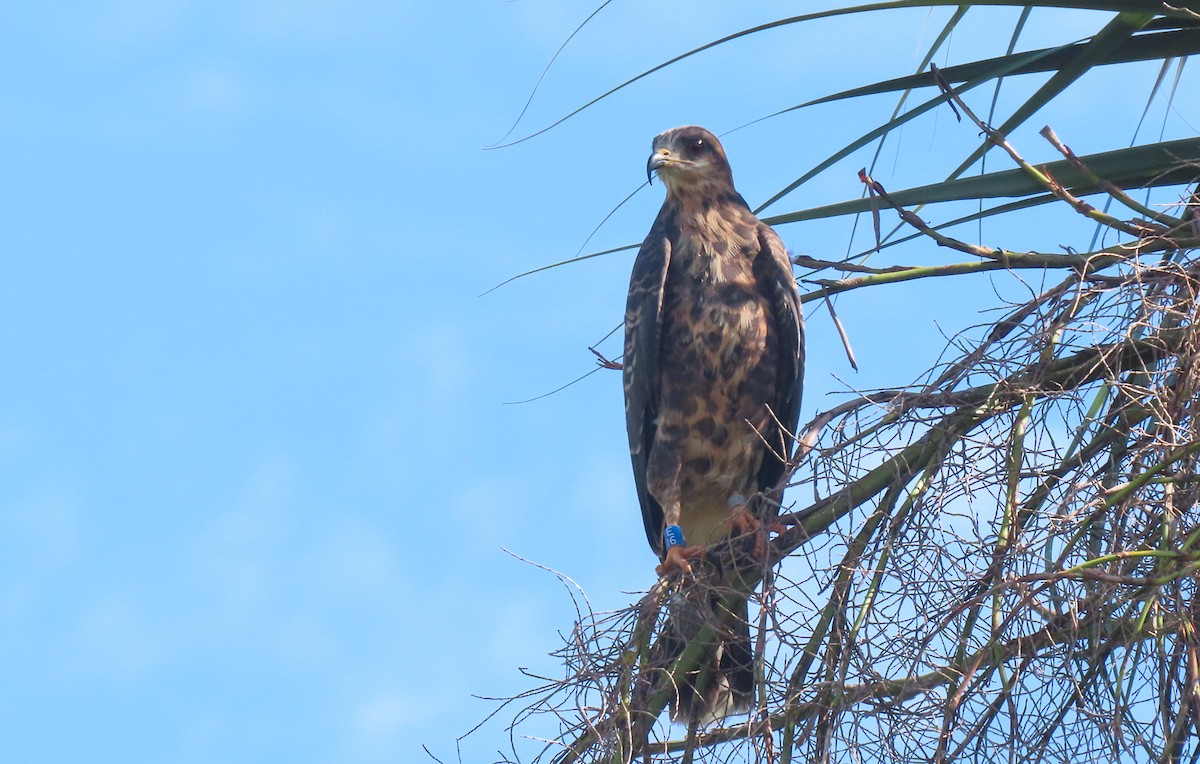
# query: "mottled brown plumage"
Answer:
x=714 y=359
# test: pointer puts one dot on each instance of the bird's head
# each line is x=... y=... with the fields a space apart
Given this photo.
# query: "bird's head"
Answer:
x=689 y=159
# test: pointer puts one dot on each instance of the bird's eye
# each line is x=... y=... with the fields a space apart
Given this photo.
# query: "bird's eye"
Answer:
x=696 y=147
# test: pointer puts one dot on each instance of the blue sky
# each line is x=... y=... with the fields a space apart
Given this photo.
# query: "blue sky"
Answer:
x=259 y=467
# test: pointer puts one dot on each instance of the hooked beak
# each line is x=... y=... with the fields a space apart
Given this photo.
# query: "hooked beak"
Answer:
x=657 y=159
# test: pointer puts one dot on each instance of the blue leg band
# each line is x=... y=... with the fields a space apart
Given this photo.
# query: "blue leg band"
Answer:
x=672 y=536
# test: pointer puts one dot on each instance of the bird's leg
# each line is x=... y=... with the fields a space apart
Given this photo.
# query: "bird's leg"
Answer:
x=662 y=479
x=675 y=557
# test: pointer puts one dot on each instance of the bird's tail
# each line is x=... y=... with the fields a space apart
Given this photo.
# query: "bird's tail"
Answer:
x=722 y=683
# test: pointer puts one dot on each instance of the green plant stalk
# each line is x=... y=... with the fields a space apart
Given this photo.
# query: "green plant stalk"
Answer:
x=1014 y=261
x=1008 y=527
x=1128 y=488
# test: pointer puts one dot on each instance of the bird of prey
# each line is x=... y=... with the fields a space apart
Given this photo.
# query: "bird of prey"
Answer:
x=713 y=369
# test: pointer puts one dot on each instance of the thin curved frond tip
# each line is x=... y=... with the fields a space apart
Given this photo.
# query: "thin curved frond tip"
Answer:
x=511 y=279
x=578 y=256
x=537 y=85
x=558 y=389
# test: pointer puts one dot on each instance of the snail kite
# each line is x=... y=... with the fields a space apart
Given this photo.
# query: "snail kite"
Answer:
x=713 y=368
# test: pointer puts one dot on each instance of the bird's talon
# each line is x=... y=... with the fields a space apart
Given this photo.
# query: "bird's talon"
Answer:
x=747 y=525
x=676 y=559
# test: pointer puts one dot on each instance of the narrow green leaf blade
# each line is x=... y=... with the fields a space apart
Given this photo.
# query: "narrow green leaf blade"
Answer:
x=1147 y=166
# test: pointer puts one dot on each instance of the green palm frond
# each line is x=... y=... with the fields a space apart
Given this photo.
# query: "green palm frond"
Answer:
x=1148 y=166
